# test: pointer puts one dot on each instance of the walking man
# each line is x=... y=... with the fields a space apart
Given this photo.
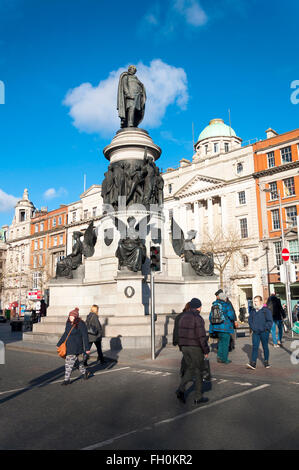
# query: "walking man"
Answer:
x=192 y=340
x=278 y=314
x=260 y=322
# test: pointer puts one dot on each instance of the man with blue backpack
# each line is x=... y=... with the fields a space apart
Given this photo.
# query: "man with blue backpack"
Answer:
x=222 y=319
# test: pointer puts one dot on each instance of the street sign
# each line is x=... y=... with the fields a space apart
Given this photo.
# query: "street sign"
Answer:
x=285 y=254
x=293 y=276
x=35 y=295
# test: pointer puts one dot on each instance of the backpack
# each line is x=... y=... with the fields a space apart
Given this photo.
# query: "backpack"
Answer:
x=91 y=329
x=217 y=316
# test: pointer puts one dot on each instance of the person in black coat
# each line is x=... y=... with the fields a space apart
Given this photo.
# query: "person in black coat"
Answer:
x=77 y=343
x=95 y=333
x=274 y=304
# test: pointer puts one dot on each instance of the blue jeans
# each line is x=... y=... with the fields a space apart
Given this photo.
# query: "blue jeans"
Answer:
x=279 y=324
x=256 y=339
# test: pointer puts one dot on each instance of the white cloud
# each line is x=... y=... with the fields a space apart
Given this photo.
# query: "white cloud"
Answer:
x=93 y=109
x=7 y=202
x=52 y=193
x=191 y=11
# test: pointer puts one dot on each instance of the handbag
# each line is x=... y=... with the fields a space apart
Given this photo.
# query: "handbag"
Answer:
x=61 y=350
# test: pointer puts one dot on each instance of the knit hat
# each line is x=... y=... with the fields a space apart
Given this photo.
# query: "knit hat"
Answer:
x=195 y=303
x=74 y=313
x=218 y=292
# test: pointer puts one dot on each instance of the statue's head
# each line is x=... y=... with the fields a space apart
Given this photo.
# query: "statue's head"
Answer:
x=132 y=69
x=77 y=235
x=192 y=234
x=131 y=221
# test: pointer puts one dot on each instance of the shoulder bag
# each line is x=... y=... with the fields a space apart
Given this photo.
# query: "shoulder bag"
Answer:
x=61 y=350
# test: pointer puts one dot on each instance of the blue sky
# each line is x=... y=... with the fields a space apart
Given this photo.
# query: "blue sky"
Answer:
x=237 y=54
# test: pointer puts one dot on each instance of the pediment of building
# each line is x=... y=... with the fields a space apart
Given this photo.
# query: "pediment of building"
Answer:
x=199 y=184
x=94 y=189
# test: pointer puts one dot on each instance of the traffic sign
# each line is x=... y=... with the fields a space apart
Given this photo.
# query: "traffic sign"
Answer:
x=285 y=254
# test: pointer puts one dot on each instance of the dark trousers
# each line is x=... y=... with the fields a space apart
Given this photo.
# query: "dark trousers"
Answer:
x=256 y=339
x=98 y=345
x=194 y=362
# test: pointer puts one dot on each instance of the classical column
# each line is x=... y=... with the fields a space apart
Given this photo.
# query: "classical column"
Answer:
x=224 y=214
x=210 y=217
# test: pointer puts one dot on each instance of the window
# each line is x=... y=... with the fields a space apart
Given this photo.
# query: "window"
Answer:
x=239 y=168
x=59 y=220
x=36 y=245
x=216 y=146
x=61 y=240
x=74 y=216
x=275 y=219
x=273 y=189
x=206 y=148
x=291 y=213
x=278 y=258
x=36 y=228
x=22 y=216
x=41 y=244
x=54 y=222
x=36 y=280
x=170 y=188
x=55 y=241
x=294 y=250
x=242 y=197
x=94 y=211
x=271 y=159
x=243 y=228
x=289 y=187
x=245 y=261
x=226 y=147
x=85 y=214
x=42 y=227
x=40 y=260
x=286 y=155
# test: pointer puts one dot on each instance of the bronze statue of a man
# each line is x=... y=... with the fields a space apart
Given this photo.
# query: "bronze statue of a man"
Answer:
x=131 y=98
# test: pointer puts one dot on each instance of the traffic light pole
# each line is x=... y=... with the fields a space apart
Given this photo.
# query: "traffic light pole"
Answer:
x=153 y=338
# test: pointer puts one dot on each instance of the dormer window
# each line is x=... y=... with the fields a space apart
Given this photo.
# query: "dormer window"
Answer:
x=206 y=148
x=216 y=148
x=226 y=147
x=22 y=216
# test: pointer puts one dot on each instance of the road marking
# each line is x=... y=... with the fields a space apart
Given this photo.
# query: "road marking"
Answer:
x=96 y=373
x=244 y=384
x=175 y=418
x=58 y=381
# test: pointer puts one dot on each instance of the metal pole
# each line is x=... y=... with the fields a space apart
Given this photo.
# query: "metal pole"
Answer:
x=267 y=261
x=153 y=345
x=286 y=264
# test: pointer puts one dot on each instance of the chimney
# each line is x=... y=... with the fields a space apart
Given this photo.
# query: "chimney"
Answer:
x=271 y=133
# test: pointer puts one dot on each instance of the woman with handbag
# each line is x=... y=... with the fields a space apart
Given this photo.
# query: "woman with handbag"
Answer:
x=95 y=333
x=75 y=338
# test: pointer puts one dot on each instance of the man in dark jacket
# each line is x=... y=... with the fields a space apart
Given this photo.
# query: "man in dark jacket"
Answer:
x=260 y=322
x=278 y=314
x=192 y=340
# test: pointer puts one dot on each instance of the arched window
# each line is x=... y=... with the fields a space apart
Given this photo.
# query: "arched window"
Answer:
x=245 y=261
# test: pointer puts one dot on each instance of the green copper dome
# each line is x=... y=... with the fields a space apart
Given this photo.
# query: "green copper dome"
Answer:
x=216 y=128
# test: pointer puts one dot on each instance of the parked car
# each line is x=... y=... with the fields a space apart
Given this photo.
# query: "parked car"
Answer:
x=2 y=318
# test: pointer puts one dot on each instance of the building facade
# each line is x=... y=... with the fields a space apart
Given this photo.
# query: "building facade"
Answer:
x=17 y=274
x=276 y=166
x=48 y=244
x=214 y=194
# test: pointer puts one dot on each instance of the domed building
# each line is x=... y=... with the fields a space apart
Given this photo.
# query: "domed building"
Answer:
x=214 y=194
x=216 y=138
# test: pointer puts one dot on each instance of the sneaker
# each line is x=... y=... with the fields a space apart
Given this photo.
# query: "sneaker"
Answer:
x=251 y=365
x=279 y=343
x=66 y=382
x=220 y=360
x=227 y=362
x=266 y=364
x=276 y=346
x=87 y=375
